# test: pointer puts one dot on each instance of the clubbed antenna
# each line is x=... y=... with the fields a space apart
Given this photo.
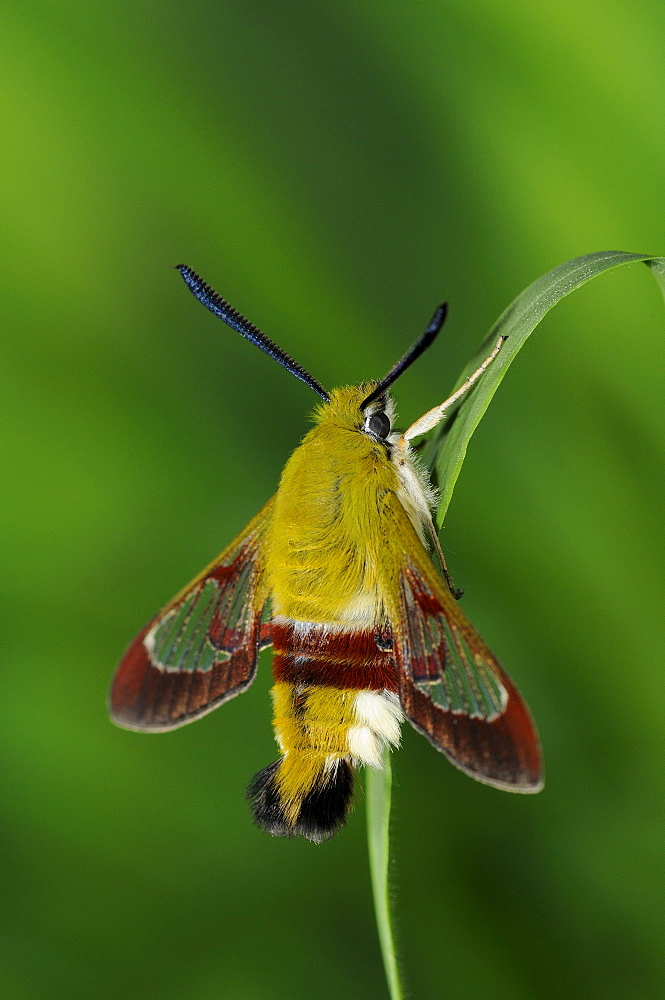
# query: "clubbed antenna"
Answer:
x=411 y=355
x=220 y=307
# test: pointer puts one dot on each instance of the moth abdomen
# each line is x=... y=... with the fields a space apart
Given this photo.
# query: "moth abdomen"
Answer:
x=335 y=708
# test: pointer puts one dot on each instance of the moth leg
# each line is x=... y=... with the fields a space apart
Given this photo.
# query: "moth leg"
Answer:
x=457 y=592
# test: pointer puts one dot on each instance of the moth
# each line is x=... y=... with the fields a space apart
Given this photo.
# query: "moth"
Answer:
x=335 y=572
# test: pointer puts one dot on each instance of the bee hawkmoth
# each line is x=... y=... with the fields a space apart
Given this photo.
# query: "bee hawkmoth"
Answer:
x=335 y=572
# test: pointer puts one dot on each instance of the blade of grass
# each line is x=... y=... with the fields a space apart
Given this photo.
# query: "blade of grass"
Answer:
x=446 y=450
x=378 y=787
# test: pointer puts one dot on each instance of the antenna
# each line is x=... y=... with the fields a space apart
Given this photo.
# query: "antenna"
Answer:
x=411 y=355
x=221 y=308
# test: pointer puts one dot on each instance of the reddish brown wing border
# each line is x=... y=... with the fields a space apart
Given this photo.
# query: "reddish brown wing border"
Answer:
x=150 y=698
x=502 y=750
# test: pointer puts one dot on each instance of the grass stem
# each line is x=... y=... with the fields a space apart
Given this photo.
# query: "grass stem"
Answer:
x=378 y=789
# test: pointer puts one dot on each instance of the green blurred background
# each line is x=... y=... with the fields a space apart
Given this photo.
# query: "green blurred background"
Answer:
x=334 y=169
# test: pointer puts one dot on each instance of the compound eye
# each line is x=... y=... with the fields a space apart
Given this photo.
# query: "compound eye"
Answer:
x=379 y=424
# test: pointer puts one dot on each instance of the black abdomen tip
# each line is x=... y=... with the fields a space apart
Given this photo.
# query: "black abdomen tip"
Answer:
x=323 y=809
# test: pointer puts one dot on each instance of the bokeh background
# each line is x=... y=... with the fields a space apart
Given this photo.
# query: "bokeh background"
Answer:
x=335 y=170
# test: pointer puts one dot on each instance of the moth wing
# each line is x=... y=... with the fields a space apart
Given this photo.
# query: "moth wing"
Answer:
x=452 y=688
x=202 y=648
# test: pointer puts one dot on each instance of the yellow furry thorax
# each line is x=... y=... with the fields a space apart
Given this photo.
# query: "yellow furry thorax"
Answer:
x=325 y=533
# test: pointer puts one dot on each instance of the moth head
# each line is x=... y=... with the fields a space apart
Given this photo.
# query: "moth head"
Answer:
x=344 y=410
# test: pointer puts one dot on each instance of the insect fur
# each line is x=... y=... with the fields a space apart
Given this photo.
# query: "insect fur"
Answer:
x=335 y=574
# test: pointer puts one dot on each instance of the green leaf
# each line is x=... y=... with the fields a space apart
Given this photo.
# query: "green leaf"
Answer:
x=446 y=450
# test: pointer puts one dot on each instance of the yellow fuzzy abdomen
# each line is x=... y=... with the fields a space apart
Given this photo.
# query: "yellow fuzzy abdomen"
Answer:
x=312 y=736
